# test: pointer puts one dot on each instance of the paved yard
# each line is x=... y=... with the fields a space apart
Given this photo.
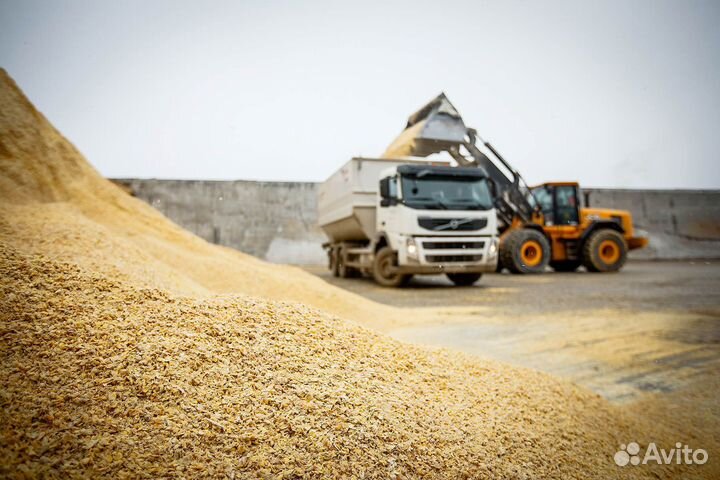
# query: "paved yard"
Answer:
x=654 y=327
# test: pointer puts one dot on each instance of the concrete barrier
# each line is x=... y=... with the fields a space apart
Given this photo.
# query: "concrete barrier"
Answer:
x=277 y=221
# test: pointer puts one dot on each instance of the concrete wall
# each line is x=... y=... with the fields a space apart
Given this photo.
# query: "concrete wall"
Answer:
x=277 y=221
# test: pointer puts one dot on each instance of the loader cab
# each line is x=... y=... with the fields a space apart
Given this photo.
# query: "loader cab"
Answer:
x=559 y=203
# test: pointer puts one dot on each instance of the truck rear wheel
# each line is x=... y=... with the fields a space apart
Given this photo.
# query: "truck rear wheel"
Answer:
x=334 y=262
x=463 y=279
x=604 y=251
x=525 y=251
x=342 y=268
x=385 y=260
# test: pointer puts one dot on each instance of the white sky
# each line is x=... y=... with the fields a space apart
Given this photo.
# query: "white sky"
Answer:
x=610 y=93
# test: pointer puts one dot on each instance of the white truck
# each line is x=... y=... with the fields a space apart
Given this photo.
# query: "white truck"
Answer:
x=395 y=218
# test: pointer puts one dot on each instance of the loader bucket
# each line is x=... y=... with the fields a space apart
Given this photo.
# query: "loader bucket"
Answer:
x=434 y=128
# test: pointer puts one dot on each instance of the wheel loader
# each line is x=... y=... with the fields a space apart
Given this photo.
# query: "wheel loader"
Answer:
x=539 y=226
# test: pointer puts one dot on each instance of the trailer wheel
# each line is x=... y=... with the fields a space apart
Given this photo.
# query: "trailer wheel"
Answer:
x=525 y=251
x=604 y=251
x=343 y=270
x=463 y=279
x=334 y=262
x=565 y=265
x=385 y=259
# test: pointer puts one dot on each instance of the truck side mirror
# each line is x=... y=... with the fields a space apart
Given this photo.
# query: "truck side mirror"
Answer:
x=388 y=196
x=385 y=188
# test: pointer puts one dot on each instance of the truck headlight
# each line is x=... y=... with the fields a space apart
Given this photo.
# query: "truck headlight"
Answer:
x=493 y=248
x=412 y=250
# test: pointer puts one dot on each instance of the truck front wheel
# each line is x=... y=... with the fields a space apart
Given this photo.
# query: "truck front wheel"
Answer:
x=463 y=279
x=385 y=261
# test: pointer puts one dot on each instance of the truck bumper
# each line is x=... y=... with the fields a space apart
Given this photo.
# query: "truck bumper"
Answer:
x=446 y=254
x=435 y=269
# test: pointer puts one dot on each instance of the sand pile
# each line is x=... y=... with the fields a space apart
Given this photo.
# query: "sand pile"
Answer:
x=130 y=348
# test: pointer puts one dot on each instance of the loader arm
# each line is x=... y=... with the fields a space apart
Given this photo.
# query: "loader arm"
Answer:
x=438 y=127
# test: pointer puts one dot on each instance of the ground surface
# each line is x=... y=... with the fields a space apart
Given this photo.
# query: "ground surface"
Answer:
x=654 y=327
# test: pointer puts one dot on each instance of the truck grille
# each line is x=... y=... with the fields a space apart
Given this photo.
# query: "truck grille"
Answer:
x=452 y=245
x=453 y=258
x=452 y=224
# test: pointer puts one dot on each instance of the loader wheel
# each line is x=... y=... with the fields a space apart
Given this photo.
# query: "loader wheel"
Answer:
x=604 y=251
x=385 y=259
x=463 y=279
x=525 y=251
x=566 y=265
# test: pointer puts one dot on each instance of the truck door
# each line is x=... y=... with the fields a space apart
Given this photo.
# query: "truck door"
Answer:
x=386 y=214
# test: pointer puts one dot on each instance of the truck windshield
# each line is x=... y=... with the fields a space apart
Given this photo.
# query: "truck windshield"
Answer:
x=446 y=193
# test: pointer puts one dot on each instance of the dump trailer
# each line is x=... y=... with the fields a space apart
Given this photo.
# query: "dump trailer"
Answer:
x=538 y=226
x=393 y=219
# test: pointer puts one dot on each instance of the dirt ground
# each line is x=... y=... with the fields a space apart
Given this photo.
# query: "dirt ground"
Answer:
x=653 y=328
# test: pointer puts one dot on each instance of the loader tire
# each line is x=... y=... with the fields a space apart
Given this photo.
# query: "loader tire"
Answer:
x=566 y=265
x=525 y=251
x=463 y=279
x=604 y=251
x=385 y=258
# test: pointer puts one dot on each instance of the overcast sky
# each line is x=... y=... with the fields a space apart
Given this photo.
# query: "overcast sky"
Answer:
x=610 y=93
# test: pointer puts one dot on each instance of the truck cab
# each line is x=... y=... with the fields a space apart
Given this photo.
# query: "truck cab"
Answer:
x=428 y=219
x=437 y=219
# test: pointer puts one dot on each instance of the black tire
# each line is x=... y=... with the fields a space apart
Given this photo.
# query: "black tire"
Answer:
x=463 y=279
x=343 y=270
x=566 y=265
x=604 y=251
x=334 y=263
x=512 y=248
x=385 y=258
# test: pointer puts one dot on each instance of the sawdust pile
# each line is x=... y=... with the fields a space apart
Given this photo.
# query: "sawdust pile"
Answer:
x=122 y=235
x=130 y=348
